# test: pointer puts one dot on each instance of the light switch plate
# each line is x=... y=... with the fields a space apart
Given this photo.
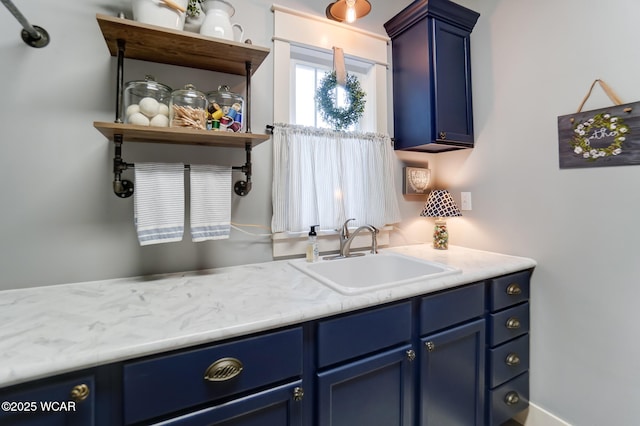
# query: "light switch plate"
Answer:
x=465 y=198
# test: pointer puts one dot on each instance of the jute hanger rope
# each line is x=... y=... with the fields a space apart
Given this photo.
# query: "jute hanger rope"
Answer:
x=608 y=90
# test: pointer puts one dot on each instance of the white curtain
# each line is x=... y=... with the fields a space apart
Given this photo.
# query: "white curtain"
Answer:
x=323 y=177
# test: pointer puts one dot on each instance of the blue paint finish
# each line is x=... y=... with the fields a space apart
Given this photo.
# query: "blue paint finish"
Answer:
x=452 y=376
x=432 y=76
x=266 y=358
x=360 y=333
x=451 y=307
x=25 y=408
x=273 y=407
x=374 y=391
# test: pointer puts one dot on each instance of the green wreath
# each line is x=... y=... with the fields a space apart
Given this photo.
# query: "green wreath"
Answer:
x=598 y=127
x=340 y=118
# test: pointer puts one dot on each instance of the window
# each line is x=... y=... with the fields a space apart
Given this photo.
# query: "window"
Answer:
x=308 y=40
x=307 y=75
x=322 y=176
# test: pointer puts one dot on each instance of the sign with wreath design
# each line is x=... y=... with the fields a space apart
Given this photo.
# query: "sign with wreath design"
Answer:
x=602 y=137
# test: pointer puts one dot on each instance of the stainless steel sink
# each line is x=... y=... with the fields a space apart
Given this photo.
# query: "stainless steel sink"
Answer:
x=353 y=275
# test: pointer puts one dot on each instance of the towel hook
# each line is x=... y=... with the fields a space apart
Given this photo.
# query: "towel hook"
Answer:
x=33 y=35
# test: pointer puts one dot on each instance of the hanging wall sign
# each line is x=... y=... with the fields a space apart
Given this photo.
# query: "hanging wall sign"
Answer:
x=602 y=137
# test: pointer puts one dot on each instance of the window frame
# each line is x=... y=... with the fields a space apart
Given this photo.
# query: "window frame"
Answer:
x=294 y=30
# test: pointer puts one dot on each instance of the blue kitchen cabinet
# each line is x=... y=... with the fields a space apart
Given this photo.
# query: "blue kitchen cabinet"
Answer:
x=375 y=391
x=508 y=347
x=365 y=373
x=452 y=357
x=432 y=102
x=452 y=376
x=55 y=402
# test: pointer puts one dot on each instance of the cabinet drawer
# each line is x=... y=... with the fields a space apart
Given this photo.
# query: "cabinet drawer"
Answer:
x=164 y=384
x=24 y=403
x=274 y=406
x=452 y=307
x=508 y=290
x=508 y=400
x=506 y=325
x=360 y=333
x=508 y=360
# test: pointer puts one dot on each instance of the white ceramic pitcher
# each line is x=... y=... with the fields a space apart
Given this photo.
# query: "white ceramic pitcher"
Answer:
x=217 y=22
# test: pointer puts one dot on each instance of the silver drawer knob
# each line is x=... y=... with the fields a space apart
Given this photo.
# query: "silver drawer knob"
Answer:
x=511 y=398
x=513 y=289
x=512 y=359
x=298 y=393
x=411 y=355
x=513 y=323
x=430 y=346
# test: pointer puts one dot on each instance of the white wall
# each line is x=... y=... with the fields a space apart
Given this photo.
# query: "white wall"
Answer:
x=532 y=61
x=59 y=219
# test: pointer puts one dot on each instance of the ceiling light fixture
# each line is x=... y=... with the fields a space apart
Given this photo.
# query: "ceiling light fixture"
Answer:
x=348 y=10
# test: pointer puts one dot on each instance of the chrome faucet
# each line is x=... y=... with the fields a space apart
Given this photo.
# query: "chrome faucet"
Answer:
x=346 y=239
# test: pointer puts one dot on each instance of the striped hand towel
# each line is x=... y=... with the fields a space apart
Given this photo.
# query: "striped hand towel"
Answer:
x=159 y=202
x=210 y=202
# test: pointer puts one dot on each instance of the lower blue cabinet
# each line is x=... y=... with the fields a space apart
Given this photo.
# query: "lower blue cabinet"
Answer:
x=377 y=390
x=442 y=359
x=64 y=402
x=161 y=385
x=452 y=366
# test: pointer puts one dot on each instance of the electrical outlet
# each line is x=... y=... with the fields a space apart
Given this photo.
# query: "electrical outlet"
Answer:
x=465 y=198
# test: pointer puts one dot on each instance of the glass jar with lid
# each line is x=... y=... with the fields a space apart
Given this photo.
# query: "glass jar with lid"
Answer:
x=146 y=102
x=188 y=108
x=226 y=109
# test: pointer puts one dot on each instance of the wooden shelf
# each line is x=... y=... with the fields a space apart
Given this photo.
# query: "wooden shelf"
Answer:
x=163 y=45
x=174 y=135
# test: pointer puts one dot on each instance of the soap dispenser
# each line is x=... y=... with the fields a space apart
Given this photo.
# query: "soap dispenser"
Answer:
x=312 y=245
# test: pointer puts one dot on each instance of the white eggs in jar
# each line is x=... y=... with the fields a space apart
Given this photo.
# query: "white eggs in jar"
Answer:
x=139 y=119
x=159 y=121
x=163 y=109
x=149 y=106
x=132 y=109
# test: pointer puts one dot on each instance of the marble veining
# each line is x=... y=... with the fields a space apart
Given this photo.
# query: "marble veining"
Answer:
x=56 y=329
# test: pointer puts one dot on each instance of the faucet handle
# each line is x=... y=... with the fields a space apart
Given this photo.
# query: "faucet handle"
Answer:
x=345 y=228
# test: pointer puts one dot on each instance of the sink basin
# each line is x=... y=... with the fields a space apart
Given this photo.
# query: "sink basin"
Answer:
x=360 y=274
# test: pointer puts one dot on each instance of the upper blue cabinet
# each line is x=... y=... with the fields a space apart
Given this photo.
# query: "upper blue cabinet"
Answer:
x=432 y=76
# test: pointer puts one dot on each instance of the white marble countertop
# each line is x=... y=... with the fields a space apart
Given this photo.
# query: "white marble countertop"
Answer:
x=51 y=330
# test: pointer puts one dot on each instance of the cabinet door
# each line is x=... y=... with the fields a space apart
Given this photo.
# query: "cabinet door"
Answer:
x=51 y=404
x=452 y=80
x=413 y=108
x=452 y=376
x=274 y=407
x=374 y=391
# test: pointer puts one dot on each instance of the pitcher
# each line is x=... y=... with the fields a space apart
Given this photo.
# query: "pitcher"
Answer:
x=217 y=22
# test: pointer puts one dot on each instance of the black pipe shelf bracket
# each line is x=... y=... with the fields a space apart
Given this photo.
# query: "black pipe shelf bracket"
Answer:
x=32 y=35
x=125 y=188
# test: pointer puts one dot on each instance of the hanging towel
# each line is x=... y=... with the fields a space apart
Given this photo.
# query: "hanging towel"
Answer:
x=210 y=202
x=159 y=202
